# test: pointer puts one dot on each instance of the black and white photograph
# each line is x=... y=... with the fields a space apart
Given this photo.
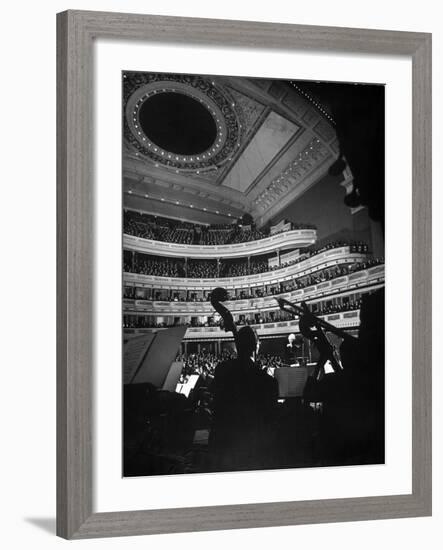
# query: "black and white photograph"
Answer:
x=253 y=274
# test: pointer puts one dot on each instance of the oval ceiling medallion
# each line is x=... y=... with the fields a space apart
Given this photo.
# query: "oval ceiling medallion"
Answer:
x=183 y=122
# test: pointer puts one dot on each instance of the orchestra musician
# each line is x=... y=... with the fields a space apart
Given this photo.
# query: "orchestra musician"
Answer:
x=245 y=400
x=352 y=396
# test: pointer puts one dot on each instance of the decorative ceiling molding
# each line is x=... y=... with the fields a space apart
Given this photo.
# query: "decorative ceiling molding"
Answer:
x=139 y=87
x=307 y=160
x=239 y=108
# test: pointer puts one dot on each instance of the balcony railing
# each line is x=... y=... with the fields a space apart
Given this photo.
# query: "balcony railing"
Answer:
x=373 y=276
x=323 y=260
x=297 y=238
x=344 y=320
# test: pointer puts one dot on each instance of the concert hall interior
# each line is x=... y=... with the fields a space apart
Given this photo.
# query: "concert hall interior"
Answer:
x=253 y=274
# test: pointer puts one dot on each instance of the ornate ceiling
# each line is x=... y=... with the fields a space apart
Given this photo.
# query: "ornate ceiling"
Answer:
x=209 y=149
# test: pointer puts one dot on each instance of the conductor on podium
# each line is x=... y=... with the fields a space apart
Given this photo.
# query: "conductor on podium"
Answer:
x=291 y=352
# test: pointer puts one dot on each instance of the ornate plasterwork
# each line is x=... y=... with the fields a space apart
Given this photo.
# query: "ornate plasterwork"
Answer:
x=307 y=160
x=138 y=87
x=248 y=110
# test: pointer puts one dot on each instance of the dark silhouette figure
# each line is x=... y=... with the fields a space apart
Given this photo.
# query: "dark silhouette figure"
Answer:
x=352 y=428
x=245 y=400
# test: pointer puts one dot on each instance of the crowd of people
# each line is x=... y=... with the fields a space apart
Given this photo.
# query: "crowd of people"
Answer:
x=248 y=294
x=153 y=265
x=211 y=269
x=202 y=269
x=174 y=231
x=328 y=309
x=204 y=362
x=144 y=321
x=262 y=317
x=241 y=268
x=330 y=273
x=355 y=247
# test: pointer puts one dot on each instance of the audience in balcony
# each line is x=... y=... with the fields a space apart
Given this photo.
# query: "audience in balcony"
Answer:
x=263 y=317
x=209 y=269
x=323 y=309
x=154 y=265
x=174 y=231
x=355 y=247
x=202 y=269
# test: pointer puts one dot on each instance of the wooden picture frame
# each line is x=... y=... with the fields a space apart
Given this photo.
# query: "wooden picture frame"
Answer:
x=76 y=32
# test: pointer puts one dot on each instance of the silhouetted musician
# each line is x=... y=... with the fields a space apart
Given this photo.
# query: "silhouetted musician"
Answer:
x=245 y=398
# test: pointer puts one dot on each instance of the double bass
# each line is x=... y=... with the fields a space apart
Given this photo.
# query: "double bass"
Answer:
x=219 y=295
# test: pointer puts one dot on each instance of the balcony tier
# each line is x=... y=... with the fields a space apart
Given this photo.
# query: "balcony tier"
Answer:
x=325 y=259
x=372 y=277
x=297 y=238
x=344 y=320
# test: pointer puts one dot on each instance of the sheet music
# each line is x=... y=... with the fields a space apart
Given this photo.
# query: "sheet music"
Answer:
x=291 y=381
x=157 y=362
x=134 y=352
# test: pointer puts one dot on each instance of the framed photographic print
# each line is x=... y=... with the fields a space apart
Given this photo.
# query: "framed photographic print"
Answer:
x=244 y=278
